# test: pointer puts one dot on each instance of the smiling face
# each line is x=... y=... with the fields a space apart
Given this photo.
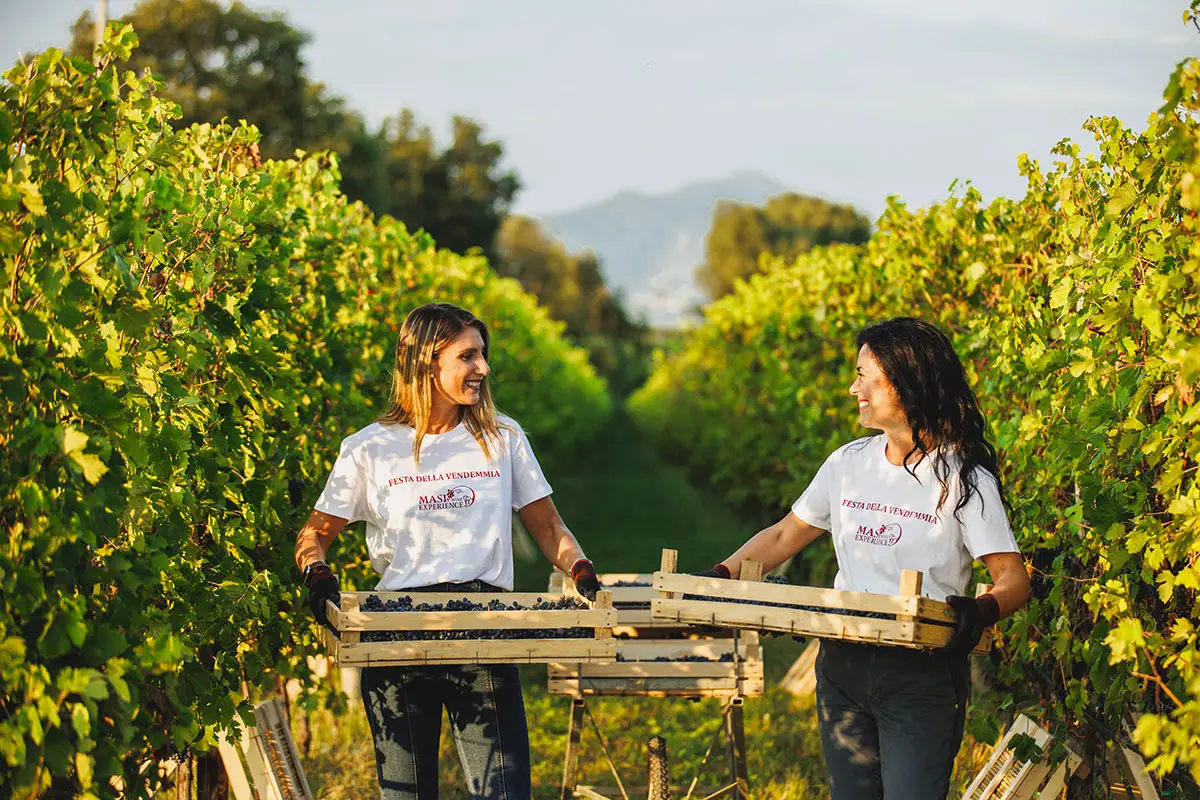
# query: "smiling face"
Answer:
x=878 y=405
x=461 y=369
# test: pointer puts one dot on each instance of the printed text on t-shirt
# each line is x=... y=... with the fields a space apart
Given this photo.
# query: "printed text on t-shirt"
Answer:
x=886 y=509
x=444 y=476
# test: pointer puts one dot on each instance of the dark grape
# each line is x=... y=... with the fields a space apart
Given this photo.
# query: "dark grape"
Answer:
x=562 y=603
x=694 y=658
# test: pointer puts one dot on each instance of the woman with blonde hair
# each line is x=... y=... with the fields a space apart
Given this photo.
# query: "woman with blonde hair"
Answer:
x=436 y=479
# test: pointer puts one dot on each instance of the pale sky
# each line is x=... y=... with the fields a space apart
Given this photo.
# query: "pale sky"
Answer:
x=847 y=99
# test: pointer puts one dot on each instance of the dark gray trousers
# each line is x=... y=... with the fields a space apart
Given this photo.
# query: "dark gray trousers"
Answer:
x=891 y=720
x=486 y=710
x=487 y=718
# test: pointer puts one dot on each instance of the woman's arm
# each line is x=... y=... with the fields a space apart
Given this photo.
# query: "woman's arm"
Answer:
x=313 y=540
x=775 y=544
x=1010 y=580
x=547 y=528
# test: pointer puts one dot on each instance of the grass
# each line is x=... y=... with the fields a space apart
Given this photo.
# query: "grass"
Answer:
x=782 y=742
x=623 y=505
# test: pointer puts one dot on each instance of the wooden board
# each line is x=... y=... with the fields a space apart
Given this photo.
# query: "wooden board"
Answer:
x=1005 y=777
x=638 y=673
x=278 y=751
x=903 y=620
x=481 y=651
x=655 y=687
x=345 y=647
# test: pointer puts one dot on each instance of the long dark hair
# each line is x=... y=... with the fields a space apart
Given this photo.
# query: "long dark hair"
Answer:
x=920 y=363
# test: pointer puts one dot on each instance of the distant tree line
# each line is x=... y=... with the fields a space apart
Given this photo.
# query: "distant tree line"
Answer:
x=233 y=62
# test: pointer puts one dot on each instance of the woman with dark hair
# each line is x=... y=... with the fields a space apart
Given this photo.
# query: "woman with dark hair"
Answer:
x=923 y=496
x=436 y=479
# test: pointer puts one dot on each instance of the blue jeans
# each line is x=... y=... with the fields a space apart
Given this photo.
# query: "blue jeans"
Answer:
x=487 y=718
x=891 y=719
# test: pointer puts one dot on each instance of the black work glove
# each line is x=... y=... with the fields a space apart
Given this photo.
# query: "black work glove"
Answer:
x=717 y=571
x=975 y=614
x=322 y=586
x=584 y=575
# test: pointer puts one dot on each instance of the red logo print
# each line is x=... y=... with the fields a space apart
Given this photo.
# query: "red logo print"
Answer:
x=886 y=535
x=454 y=497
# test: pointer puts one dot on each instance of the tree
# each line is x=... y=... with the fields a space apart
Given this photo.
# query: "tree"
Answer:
x=572 y=288
x=236 y=63
x=233 y=63
x=459 y=195
x=788 y=225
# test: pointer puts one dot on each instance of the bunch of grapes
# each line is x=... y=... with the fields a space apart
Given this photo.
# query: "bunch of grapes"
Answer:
x=402 y=604
x=619 y=584
x=725 y=657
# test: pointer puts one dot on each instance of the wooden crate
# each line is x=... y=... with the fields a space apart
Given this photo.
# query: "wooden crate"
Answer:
x=905 y=619
x=346 y=648
x=632 y=593
x=642 y=642
x=1005 y=777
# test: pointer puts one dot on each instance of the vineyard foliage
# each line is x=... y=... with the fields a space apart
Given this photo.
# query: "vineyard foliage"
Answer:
x=1077 y=310
x=187 y=334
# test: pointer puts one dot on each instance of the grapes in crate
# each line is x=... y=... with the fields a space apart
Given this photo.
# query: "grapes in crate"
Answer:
x=404 y=604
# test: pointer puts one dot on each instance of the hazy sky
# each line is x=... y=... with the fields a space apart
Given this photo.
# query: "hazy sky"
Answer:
x=848 y=99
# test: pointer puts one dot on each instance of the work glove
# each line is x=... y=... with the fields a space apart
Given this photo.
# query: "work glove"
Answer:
x=584 y=575
x=717 y=571
x=322 y=587
x=975 y=614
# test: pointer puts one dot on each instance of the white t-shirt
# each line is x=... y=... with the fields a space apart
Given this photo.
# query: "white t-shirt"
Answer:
x=883 y=520
x=449 y=520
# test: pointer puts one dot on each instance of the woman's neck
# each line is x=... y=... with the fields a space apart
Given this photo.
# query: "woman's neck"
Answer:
x=444 y=416
x=900 y=444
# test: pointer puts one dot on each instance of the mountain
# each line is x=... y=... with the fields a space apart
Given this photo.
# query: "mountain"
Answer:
x=650 y=245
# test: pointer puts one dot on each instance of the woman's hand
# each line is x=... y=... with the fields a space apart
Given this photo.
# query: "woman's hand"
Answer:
x=1010 y=590
x=584 y=575
x=322 y=587
x=311 y=543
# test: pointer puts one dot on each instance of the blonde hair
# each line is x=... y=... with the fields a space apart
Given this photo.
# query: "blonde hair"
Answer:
x=426 y=331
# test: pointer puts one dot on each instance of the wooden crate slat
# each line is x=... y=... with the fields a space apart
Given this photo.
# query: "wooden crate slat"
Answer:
x=469 y=620
x=632 y=594
x=483 y=651
x=608 y=578
x=797 y=623
x=709 y=648
x=346 y=649
x=524 y=598
x=284 y=768
x=640 y=618
x=761 y=592
x=657 y=687
x=655 y=669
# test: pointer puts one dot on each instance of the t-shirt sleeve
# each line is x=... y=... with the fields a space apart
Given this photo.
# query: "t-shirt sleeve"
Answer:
x=985 y=527
x=345 y=492
x=813 y=506
x=528 y=482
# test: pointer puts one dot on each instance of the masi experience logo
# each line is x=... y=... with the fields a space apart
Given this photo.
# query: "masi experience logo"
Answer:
x=454 y=497
x=885 y=535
